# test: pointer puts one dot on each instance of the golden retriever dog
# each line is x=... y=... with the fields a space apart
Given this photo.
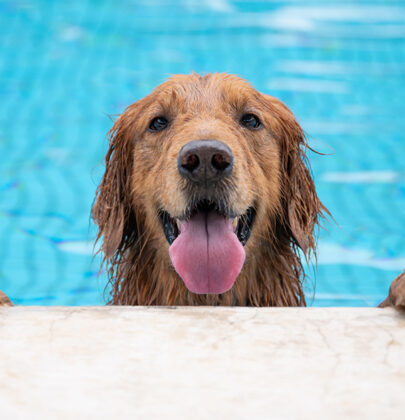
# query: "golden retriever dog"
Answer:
x=207 y=198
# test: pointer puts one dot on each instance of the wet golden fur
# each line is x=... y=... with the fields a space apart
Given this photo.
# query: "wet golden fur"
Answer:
x=270 y=172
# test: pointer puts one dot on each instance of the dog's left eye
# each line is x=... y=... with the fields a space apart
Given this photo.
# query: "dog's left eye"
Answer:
x=158 y=124
x=250 y=121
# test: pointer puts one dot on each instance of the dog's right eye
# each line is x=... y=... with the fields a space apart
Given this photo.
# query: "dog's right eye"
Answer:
x=158 y=124
x=250 y=121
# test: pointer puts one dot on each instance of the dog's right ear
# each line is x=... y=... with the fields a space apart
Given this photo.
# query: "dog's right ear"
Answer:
x=112 y=210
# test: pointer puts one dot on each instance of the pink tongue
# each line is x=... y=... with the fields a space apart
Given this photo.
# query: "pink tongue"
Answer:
x=207 y=254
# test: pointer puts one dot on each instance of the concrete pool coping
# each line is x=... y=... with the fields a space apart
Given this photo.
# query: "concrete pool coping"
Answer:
x=201 y=362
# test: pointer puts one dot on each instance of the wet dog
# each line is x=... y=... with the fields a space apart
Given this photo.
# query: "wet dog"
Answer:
x=207 y=198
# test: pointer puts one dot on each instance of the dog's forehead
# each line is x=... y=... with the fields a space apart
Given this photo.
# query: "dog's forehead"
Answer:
x=212 y=89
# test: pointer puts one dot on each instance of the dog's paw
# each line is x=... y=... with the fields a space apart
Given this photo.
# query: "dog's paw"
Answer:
x=4 y=300
x=397 y=292
x=396 y=297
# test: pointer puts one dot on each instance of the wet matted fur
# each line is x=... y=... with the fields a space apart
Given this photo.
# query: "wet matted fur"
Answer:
x=270 y=174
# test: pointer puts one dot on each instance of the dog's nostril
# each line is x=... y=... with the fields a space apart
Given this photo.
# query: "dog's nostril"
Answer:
x=191 y=163
x=220 y=162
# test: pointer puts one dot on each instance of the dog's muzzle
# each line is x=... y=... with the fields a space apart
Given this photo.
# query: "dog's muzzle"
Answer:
x=207 y=240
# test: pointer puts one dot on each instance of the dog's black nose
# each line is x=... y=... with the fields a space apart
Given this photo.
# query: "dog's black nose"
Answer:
x=205 y=161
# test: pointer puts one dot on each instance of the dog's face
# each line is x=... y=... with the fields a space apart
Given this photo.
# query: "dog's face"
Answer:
x=206 y=172
x=209 y=166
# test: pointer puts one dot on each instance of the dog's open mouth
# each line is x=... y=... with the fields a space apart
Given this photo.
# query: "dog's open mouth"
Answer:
x=207 y=246
x=242 y=224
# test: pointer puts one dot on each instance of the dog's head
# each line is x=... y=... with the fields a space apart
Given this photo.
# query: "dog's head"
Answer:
x=206 y=170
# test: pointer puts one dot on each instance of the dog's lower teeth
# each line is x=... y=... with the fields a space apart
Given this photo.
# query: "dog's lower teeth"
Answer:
x=235 y=221
x=178 y=224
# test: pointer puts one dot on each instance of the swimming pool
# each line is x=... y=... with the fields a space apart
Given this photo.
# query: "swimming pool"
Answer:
x=66 y=68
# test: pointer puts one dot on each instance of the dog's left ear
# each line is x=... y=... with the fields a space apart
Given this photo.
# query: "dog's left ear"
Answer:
x=302 y=205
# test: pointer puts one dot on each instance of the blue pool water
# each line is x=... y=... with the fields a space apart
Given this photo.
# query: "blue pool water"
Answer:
x=67 y=67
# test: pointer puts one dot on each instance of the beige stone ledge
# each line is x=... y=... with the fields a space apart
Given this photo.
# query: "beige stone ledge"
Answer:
x=201 y=363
